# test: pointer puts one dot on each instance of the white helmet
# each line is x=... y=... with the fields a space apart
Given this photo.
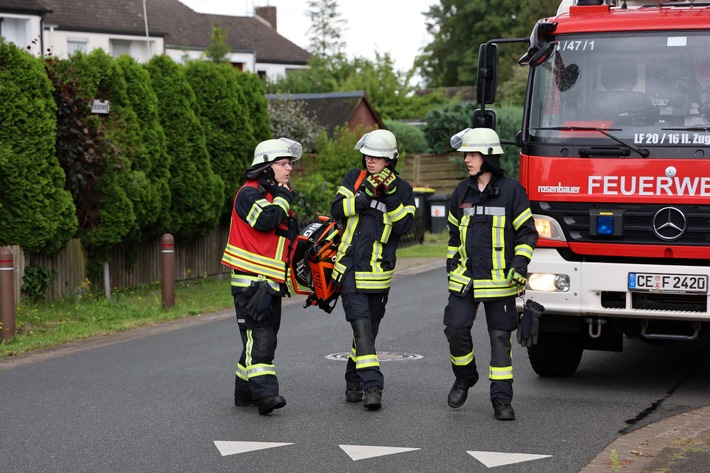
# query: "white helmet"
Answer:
x=270 y=150
x=378 y=143
x=480 y=140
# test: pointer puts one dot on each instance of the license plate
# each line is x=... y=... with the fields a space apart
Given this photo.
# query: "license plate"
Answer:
x=678 y=283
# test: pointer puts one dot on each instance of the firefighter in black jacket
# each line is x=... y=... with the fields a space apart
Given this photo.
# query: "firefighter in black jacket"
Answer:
x=261 y=234
x=376 y=207
x=491 y=240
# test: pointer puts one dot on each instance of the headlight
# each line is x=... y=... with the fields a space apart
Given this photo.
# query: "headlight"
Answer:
x=548 y=228
x=548 y=282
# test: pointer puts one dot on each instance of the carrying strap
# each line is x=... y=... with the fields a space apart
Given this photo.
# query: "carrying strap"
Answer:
x=359 y=180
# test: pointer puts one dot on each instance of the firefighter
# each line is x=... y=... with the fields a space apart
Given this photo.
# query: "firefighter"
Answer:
x=262 y=232
x=491 y=240
x=376 y=207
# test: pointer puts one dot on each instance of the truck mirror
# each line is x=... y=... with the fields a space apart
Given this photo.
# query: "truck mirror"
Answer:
x=540 y=49
x=487 y=73
x=484 y=119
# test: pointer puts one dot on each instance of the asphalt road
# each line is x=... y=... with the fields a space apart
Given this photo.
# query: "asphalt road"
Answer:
x=162 y=400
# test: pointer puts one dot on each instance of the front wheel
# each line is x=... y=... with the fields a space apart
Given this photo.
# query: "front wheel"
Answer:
x=556 y=354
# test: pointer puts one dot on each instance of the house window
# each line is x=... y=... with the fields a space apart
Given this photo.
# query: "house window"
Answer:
x=119 y=47
x=76 y=44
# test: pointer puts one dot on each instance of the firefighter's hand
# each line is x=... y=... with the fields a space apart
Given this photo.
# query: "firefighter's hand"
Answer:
x=361 y=201
x=517 y=277
x=389 y=181
x=373 y=185
x=285 y=192
x=259 y=305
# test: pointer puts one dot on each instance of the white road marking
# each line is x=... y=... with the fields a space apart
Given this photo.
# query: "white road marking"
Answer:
x=492 y=459
x=232 y=448
x=360 y=452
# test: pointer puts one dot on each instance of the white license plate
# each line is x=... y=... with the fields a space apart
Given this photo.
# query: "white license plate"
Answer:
x=679 y=283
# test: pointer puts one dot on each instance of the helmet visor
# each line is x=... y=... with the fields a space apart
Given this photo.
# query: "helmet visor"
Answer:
x=294 y=147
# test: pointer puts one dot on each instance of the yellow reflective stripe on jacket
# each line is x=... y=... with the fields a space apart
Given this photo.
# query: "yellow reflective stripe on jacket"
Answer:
x=368 y=280
x=400 y=212
x=255 y=211
x=348 y=201
x=462 y=360
x=524 y=250
x=255 y=263
x=483 y=288
x=500 y=372
x=498 y=243
x=451 y=251
x=453 y=220
x=281 y=202
x=376 y=256
x=522 y=218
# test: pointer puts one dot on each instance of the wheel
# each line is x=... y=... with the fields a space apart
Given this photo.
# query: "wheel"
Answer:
x=556 y=354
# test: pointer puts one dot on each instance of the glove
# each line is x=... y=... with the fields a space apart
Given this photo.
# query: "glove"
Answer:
x=389 y=181
x=517 y=277
x=373 y=185
x=260 y=301
x=529 y=323
x=361 y=201
x=285 y=192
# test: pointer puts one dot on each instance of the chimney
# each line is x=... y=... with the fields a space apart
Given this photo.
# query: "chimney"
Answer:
x=268 y=14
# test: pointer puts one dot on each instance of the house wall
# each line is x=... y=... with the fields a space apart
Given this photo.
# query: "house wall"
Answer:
x=20 y=29
x=247 y=60
x=362 y=116
x=274 y=71
x=137 y=46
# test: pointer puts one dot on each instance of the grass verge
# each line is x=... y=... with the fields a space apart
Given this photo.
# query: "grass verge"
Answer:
x=48 y=324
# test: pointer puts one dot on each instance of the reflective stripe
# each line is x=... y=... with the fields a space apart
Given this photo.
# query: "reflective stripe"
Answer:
x=498 y=244
x=242 y=372
x=500 y=372
x=366 y=361
x=348 y=201
x=372 y=281
x=255 y=211
x=522 y=218
x=245 y=280
x=462 y=360
x=453 y=220
x=251 y=262
x=378 y=206
x=481 y=210
x=260 y=370
x=524 y=250
x=281 y=202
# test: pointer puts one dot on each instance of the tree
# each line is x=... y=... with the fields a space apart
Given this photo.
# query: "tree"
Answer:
x=37 y=213
x=325 y=32
x=151 y=163
x=224 y=116
x=197 y=192
x=291 y=119
x=218 y=50
x=98 y=152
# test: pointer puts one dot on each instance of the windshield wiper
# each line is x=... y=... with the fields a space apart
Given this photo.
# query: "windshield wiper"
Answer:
x=688 y=128
x=642 y=152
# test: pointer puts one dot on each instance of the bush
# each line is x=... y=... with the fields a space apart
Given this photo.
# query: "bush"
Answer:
x=36 y=281
x=443 y=123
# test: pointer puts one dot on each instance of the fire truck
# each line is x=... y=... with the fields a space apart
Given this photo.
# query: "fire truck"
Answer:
x=615 y=157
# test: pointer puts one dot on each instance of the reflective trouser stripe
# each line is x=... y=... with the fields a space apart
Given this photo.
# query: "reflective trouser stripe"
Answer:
x=364 y=361
x=242 y=372
x=252 y=371
x=500 y=372
x=462 y=360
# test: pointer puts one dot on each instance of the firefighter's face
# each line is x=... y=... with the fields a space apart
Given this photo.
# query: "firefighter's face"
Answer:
x=282 y=170
x=473 y=162
x=375 y=164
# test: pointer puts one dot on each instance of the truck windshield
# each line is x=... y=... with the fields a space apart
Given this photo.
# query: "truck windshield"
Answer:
x=649 y=90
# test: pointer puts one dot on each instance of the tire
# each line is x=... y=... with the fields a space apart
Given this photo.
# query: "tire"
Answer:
x=556 y=354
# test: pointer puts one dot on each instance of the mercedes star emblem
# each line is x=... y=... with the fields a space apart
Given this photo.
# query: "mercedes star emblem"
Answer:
x=669 y=223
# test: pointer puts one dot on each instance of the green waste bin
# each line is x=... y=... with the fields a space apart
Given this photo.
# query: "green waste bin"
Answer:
x=438 y=210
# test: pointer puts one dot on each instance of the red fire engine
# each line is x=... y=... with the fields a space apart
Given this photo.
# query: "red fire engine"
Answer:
x=615 y=156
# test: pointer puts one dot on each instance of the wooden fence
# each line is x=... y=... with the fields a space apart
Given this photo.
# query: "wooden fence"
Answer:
x=441 y=172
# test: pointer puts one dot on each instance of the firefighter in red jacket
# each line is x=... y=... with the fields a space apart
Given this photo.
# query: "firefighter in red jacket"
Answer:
x=261 y=235
x=491 y=240
x=376 y=208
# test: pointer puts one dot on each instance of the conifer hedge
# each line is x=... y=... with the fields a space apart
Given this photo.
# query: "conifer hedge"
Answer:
x=35 y=210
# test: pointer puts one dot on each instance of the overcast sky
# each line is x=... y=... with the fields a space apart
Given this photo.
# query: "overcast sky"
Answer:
x=394 y=26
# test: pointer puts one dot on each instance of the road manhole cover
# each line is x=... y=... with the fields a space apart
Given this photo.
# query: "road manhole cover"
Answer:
x=381 y=356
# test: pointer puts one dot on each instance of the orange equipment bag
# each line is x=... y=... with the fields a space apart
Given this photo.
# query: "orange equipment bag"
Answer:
x=312 y=263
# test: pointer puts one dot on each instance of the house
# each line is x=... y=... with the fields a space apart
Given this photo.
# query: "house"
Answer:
x=332 y=110
x=144 y=28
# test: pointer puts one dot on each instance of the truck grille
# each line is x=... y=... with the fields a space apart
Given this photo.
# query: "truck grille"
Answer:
x=637 y=222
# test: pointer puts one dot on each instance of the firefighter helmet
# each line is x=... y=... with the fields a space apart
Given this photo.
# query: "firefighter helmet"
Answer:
x=378 y=143
x=270 y=150
x=480 y=140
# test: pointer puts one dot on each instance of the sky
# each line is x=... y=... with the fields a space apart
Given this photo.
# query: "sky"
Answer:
x=394 y=26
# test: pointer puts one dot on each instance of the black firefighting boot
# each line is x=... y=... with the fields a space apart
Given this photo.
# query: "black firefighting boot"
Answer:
x=373 y=398
x=267 y=404
x=353 y=392
x=459 y=391
x=503 y=410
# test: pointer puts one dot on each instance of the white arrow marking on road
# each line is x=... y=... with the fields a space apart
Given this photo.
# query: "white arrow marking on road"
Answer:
x=492 y=459
x=360 y=452
x=232 y=448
